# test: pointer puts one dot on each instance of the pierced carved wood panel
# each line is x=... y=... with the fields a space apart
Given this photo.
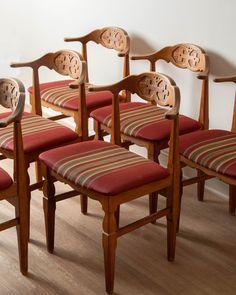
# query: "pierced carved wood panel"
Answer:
x=188 y=56
x=68 y=63
x=157 y=88
x=9 y=93
x=114 y=38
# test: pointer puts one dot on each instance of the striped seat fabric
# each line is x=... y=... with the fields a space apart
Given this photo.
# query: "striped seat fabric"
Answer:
x=141 y=120
x=5 y=180
x=213 y=149
x=60 y=94
x=103 y=167
x=38 y=133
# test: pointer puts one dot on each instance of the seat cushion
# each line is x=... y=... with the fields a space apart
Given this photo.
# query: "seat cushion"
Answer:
x=5 y=180
x=102 y=167
x=38 y=134
x=213 y=149
x=60 y=94
x=141 y=120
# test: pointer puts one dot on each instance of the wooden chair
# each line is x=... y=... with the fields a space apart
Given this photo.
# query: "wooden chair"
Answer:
x=12 y=96
x=145 y=124
x=41 y=134
x=213 y=153
x=113 y=175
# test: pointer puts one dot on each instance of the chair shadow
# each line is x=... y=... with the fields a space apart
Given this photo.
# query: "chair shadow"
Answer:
x=140 y=45
x=219 y=65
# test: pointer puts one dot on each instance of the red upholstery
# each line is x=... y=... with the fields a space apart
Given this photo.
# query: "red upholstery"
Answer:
x=5 y=180
x=143 y=121
x=59 y=93
x=38 y=134
x=213 y=149
x=103 y=167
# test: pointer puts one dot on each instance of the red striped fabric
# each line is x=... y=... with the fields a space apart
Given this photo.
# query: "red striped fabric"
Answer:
x=38 y=133
x=213 y=149
x=103 y=167
x=60 y=94
x=141 y=120
x=5 y=180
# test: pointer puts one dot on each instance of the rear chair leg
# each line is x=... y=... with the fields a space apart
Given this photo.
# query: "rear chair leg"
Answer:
x=200 y=186
x=232 y=199
x=49 y=206
x=84 y=204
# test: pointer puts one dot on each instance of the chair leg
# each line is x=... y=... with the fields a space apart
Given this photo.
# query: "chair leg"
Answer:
x=180 y=199
x=84 y=204
x=38 y=172
x=117 y=215
x=109 y=239
x=49 y=206
x=153 y=154
x=232 y=199
x=98 y=130
x=200 y=186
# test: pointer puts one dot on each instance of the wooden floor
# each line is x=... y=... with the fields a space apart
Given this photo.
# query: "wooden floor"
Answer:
x=205 y=255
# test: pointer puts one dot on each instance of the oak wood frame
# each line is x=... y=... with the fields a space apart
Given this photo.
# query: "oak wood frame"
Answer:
x=12 y=95
x=205 y=173
x=111 y=204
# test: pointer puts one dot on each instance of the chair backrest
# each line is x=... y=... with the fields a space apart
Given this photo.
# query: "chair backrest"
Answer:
x=229 y=79
x=151 y=86
x=65 y=62
x=190 y=57
x=12 y=96
x=110 y=37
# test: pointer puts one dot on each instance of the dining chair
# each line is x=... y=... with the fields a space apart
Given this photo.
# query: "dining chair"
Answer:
x=112 y=175
x=39 y=133
x=13 y=189
x=143 y=123
x=213 y=153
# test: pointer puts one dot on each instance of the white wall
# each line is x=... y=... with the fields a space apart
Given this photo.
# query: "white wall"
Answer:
x=31 y=28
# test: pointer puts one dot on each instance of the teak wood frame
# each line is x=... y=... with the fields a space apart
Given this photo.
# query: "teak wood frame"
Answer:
x=109 y=37
x=65 y=62
x=204 y=173
x=111 y=204
x=12 y=95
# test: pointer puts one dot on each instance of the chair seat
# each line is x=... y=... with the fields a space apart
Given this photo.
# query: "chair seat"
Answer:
x=144 y=121
x=38 y=134
x=213 y=149
x=60 y=94
x=5 y=180
x=102 y=167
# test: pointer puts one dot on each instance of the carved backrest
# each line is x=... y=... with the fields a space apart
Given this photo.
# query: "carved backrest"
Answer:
x=12 y=96
x=188 y=56
x=68 y=63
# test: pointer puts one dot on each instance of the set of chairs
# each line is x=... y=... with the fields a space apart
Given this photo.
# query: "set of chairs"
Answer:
x=107 y=171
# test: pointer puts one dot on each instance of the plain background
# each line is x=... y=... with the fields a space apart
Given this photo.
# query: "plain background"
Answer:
x=29 y=29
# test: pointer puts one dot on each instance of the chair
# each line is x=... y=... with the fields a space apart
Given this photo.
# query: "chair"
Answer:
x=39 y=133
x=113 y=175
x=145 y=124
x=213 y=153
x=12 y=96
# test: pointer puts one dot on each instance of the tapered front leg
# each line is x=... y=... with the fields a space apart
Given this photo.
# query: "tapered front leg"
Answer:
x=84 y=204
x=109 y=239
x=49 y=207
x=200 y=186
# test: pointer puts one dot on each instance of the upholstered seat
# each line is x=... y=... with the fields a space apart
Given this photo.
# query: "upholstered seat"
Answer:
x=103 y=167
x=5 y=180
x=38 y=133
x=60 y=94
x=144 y=121
x=213 y=149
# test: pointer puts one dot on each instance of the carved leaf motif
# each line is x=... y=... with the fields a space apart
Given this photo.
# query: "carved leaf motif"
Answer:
x=67 y=64
x=114 y=39
x=8 y=94
x=187 y=57
x=154 y=88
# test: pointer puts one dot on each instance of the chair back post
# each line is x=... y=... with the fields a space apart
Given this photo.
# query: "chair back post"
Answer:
x=115 y=129
x=233 y=128
x=35 y=98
